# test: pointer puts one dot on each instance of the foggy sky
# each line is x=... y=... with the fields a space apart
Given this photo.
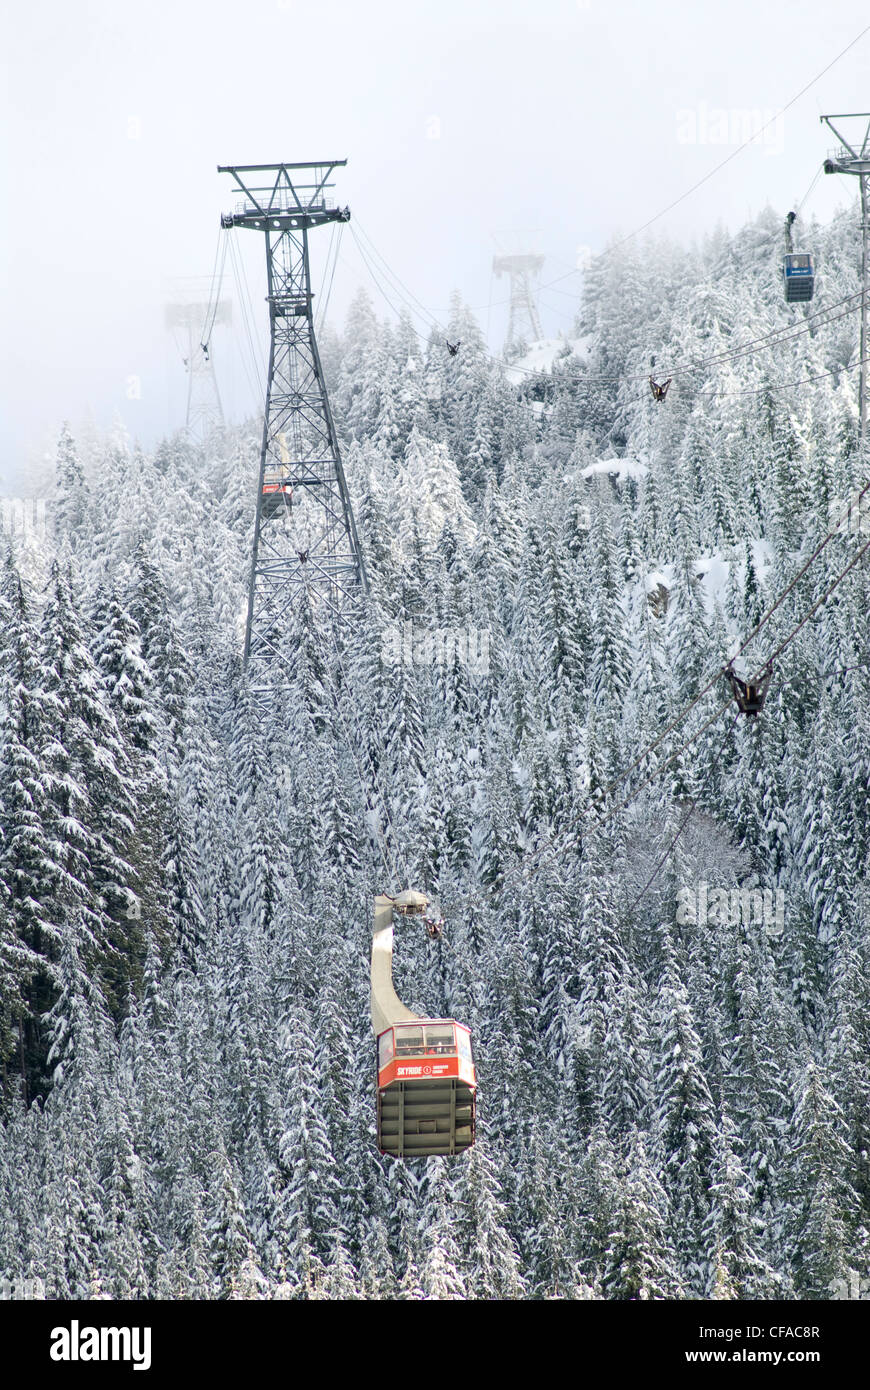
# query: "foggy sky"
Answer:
x=566 y=122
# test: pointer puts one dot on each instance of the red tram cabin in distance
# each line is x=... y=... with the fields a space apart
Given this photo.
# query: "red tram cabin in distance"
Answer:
x=277 y=486
x=426 y=1082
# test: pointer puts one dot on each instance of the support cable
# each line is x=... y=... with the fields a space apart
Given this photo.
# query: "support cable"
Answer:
x=214 y=294
x=818 y=603
x=659 y=866
x=332 y=254
x=765 y=618
x=749 y=349
x=727 y=160
x=258 y=386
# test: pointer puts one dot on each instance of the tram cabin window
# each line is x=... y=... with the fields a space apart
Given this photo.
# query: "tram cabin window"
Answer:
x=386 y=1049
x=409 y=1042
x=439 y=1039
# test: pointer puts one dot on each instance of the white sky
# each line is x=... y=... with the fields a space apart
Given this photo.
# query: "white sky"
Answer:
x=557 y=120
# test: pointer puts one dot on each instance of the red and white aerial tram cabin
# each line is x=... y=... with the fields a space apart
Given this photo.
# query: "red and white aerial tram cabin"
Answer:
x=277 y=484
x=426 y=1081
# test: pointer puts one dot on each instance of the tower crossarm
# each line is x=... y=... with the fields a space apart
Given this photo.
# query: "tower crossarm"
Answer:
x=282 y=196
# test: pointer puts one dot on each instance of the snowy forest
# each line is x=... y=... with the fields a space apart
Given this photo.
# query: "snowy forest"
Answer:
x=673 y=1103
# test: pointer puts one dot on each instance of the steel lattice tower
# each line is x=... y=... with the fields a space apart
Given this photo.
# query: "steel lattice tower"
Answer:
x=305 y=537
x=853 y=157
x=204 y=409
x=524 y=321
